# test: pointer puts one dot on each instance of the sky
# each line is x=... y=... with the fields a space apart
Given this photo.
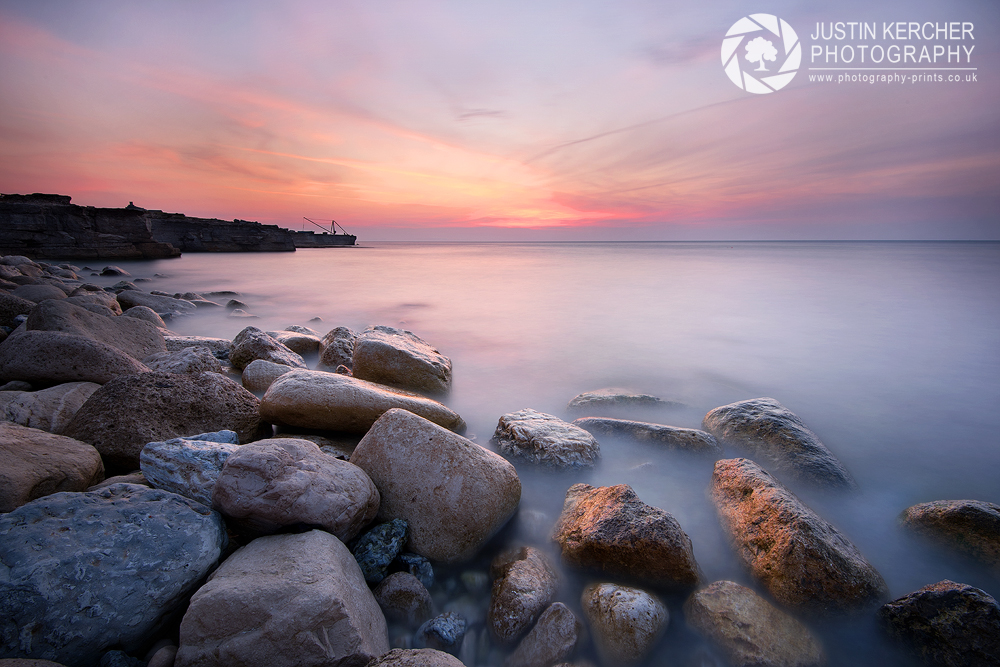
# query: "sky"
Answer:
x=507 y=120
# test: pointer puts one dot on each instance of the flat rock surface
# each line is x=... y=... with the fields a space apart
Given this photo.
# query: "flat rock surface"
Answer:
x=524 y=584
x=970 y=526
x=803 y=561
x=294 y=600
x=130 y=411
x=545 y=439
x=279 y=482
x=328 y=401
x=768 y=430
x=626 y=622
x=749 y=630
x=49 y=357
x=188 y=466
x=35 y=463
x=671 y=437
x=252 y=343
x=609 y=529
x=400 y=358
x=453 y=493
x=136 y=338
x=84 y=572
x=47 y=409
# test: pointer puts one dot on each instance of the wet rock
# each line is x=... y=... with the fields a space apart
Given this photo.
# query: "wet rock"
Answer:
x=626 y=622
x=803 y=561
x=748 y=630
x=11 y=306
x=524 y=584
x=132 y=410
x=219 y=346
x=296 y=341
x=443 y=633
x=259 y=375
x=145 y=313
x=609 y=529
x=88 y=571
x=453 y=493
x=188 y=466
x=611 y=398
x=189 y=360
x=970 y=526
x=50 y=357
x=400 y=358
x=671 y=437
x=235 y=304
x=115 y=271
x=376 y=549
x=327 y=401
x=39 y=293
x=545 y=439
x=162 y=305
x=252 y=343
x=416 y=657
x=48 y=409
x=419 y=567
x=552 y=640
x=404 y=599
x=240 y=314
x=946 y=624
x=120 y=659
x=135 y=338
x=164 y=657
x=279 y=482
x=102 y=298
x=35 y=463
x=282 y=601
x=767 y=429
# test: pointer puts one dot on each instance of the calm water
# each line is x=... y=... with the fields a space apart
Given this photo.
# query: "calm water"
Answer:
x=888 y=351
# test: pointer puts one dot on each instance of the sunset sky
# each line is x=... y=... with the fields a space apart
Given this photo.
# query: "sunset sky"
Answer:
x=498 y=120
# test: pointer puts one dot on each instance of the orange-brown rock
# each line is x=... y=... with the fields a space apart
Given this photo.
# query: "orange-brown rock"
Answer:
x=609 y=529
x=802 y=560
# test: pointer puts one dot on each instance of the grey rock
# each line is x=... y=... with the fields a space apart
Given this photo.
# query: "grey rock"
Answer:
x=552 y=641
x=545 y=439
x=115 y=271
x=39 y=293
x=162 y=305
x=443 y=633
x=252 y=343
x=48 y=357
x=120 y=659
x=196 y=359
x=296 y=341
x=134 y=337
x=11 y=306
x=613 y=398
x=524 y=584
x=134 y=555
x=188 y=466
x=671 y=437
x=402 y=359
x=135 y=477
x=377 y=548
x=101 y=298
x=404 y=599
x=260 y=374
x=416 y=657
x=767 y=429
x=626 y=622
x=220 y=347
x=145 y=313
x=336 y=348
x=48 y=409
x=969 y=526
x=419 y=567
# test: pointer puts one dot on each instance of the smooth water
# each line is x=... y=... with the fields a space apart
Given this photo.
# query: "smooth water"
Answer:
x=888 y=351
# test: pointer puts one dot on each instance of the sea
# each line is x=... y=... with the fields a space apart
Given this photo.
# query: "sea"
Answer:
x=888 y=351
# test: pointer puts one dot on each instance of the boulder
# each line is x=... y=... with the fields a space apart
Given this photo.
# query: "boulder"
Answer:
x=402 y=359
x=750 y=631
x=332 y=402
x=803 y=561
x=336 y=348
x=767 y=429
x=134 y=337
x=298 y=342
x=444 y=632
x=552 y=641
x=279 y=482
x=162 y=305
x=946 y=624
x=145 y=313
x=195 y=359
x=970 y=526
x=28 y=662
x=671 y=437
x=524 y=584
x=114 y=271
x=135 y=477
x=52 y=357
x=293 y=600
x=252 y=343
x=48 y=409
x=416 y=657
x=609 y=529
x=39 y=293
x=102 y=298
x=377 y=548
x=626 y=622
x=612 y=398
x=545 y=439
x=219 y=346
x=259 y=375
x=11 y=306
x=453 y=493
x=404 y=599
x=35 y=463
x=132 y=410
x=90 y=571
x=188 y=466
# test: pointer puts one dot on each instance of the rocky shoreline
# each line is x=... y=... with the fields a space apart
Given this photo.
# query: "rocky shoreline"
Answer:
x=299 y=498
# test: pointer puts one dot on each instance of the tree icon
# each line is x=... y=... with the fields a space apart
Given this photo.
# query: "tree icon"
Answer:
x=759 y=50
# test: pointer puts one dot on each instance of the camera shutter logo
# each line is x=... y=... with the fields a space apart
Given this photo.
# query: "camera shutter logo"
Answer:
x=769 y=43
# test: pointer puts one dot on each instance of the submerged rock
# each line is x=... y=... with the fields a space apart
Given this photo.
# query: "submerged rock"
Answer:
x=626 y=622
x=404 y=599
x=541 y=438
x=294 y=600
x=767 y=429
x=750 y=631
x=453 y=493
x=970 y=526
x=524 y=584
x=444 y=633
x=672 y=437
x=89 y=571
x=613 y=398
x=609 y=529
x=400 y=358
x=946 y=624
x=803 y=561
